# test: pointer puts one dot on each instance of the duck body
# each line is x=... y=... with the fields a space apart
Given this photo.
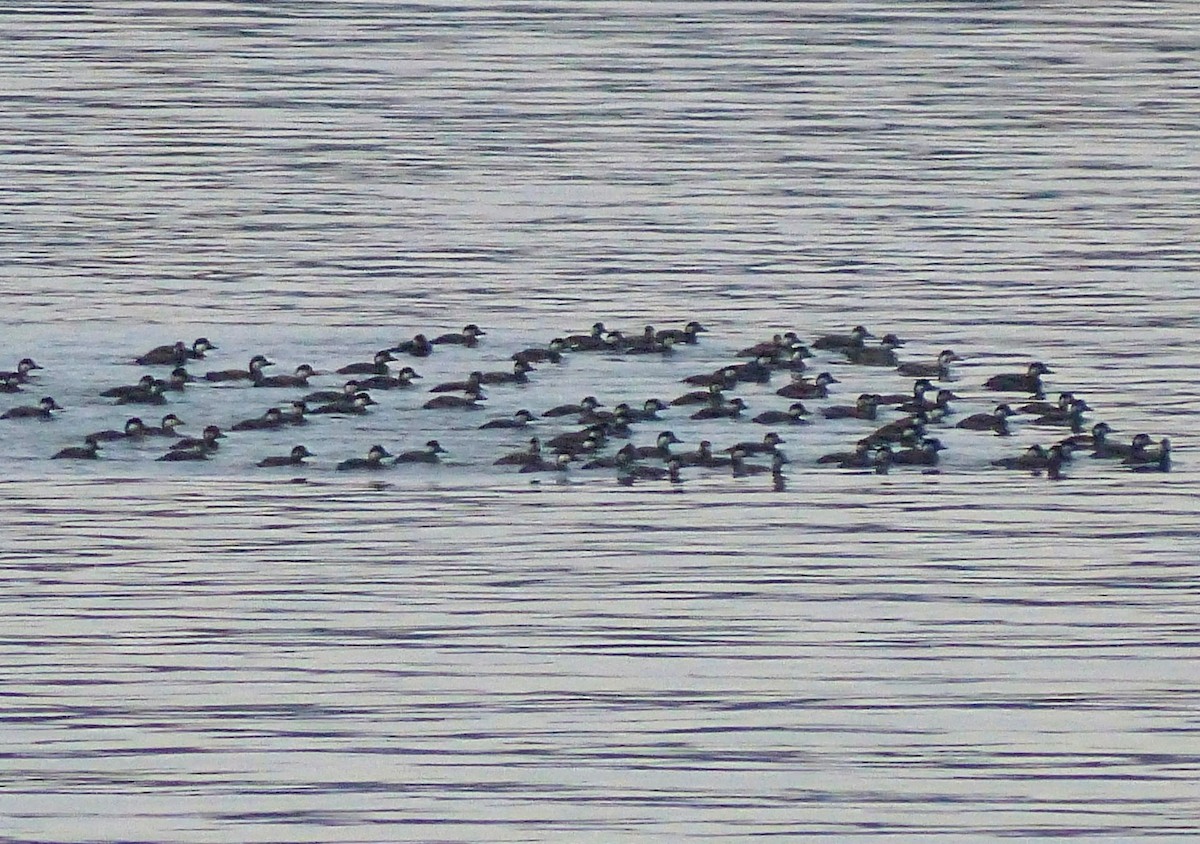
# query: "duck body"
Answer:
x=354 y=405
x=802 y=388
x=418 y=347
x=431 y=453
x=248 y=374
x=794 y=415
x=518 y=420
x=939 y=369
x=996 y=421
x=468 y=337
x=402 y=379
x=299 y=379
x=293 y=458
x=1029 y=381
x=269 y=421
x=373 y=461
x=732 y=410
x=88 y=451
x=43 y=410
x=206 y=442
x=377 y=366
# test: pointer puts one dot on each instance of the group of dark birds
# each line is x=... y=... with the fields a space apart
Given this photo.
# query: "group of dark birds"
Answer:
x=908 y=439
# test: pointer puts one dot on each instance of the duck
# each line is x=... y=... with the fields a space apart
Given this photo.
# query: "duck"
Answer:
x=1097 y=437
x=1154 y=461
x=518 y=375
x=725 y=378
x=907 y=429
x=625 y=454
x=402 y=379
x=1138 y=449
x=429 y=454
x=882 y=355
x=270 y=420
x=629 y=470
x=650 y=344
x=354 y=405
x=1034 y=457
x=142 y=386
x=865 y=407
x=768 y=445
x=207 y=441
x=757 y=371
x=551 y=353
x=794 y=415
x=373 y=460
x=648 y=411
x=298 y=379
x=523 y=457
x=920 y=387
x=1041 y=408
x=688 y=335
x=296 y=413
x=468 y=337
x=42 y=410
x=661 y=449
x=925 y=453
x=939 y=369
x=21 y=374
x=703 y=456
x=1029 y=381
x=377 y=366
x=469 y=401
x=248 y=374
x=996 y=421
x=840 y=342
x=88 y=451
x=731 y=410
x=166 y=429
x=9 y=383
x=134 y=429
x=177 y=455
x=178 y=380
x=586 y=405
x=772 y=347
x=936 y=410
x=418 y=347
x=714 y=395
x=560 y=463
x=578 y=441
x=743 y=469
x=155 y=394
x=593 y=341
x=518 y=420
x=293 y=458
x=471 y=384
x=802 y=388
x=860 y=457
x=176 y=354
x=1072 y=417
x=325 y=396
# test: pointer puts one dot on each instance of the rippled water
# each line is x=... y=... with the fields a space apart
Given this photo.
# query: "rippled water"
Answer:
x=453 y=654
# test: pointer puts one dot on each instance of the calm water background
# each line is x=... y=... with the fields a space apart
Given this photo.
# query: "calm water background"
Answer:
x=454 y=654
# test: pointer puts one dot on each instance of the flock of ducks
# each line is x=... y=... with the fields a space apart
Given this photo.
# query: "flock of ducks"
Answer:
x=588 y=442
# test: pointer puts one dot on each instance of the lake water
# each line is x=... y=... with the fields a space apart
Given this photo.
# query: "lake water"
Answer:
x=214 y=652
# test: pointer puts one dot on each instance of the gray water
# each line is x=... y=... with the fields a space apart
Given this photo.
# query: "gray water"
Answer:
x=196 y=653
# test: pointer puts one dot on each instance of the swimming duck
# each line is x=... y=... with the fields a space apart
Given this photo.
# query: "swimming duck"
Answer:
x=429 y=454
x=996 y=421
x=324 y=396
x=377 y=366
x=725 y=378
x=248 y=374
x=471 y=384
x=1034 y=457
x=713 y=395
x=703 y=456
x=523 y=457
x=518 y=375
x=178 y=380
x=1028 y=382
x=299 y=379
x=373 y=460
x=469 y=337
x=772 y=348
x=689 y=334
x=882 y=355
x=661 y=449
x=154 y=394
x=925 y=453
x=1152 y=460
x=134 y=428
x=418 y=347
x=87 y=451
x=731 y=410
x=552 y=353
x=206 y=442
x=939 y=369
x=560 y=463
x=294 y=458
x=865 y=407
x=354 y=405
x=21 y=375
x=142 y=386
x=743 y=469
x=840 y=342
x=920 y=387
x=907 y=429
x=625 y=454
x=794 y=415
x=42 y=410
x=768 y=445
x=1097 y=438
x=1072 y=417
x=588 y=404
x=518 y=420
x=859 y=458
x=177 y=455
x=402 y=379
x=593 y=341
x=176 y=354
x=757 y=371
x=802 y=388
x=9 y=383
x=629 y=470
x=270 y=420
x=468 y=401
x=167 y=429
x=936 y=410
x=648 y=412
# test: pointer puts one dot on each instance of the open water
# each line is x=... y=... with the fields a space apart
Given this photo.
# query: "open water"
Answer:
x=214 y=652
